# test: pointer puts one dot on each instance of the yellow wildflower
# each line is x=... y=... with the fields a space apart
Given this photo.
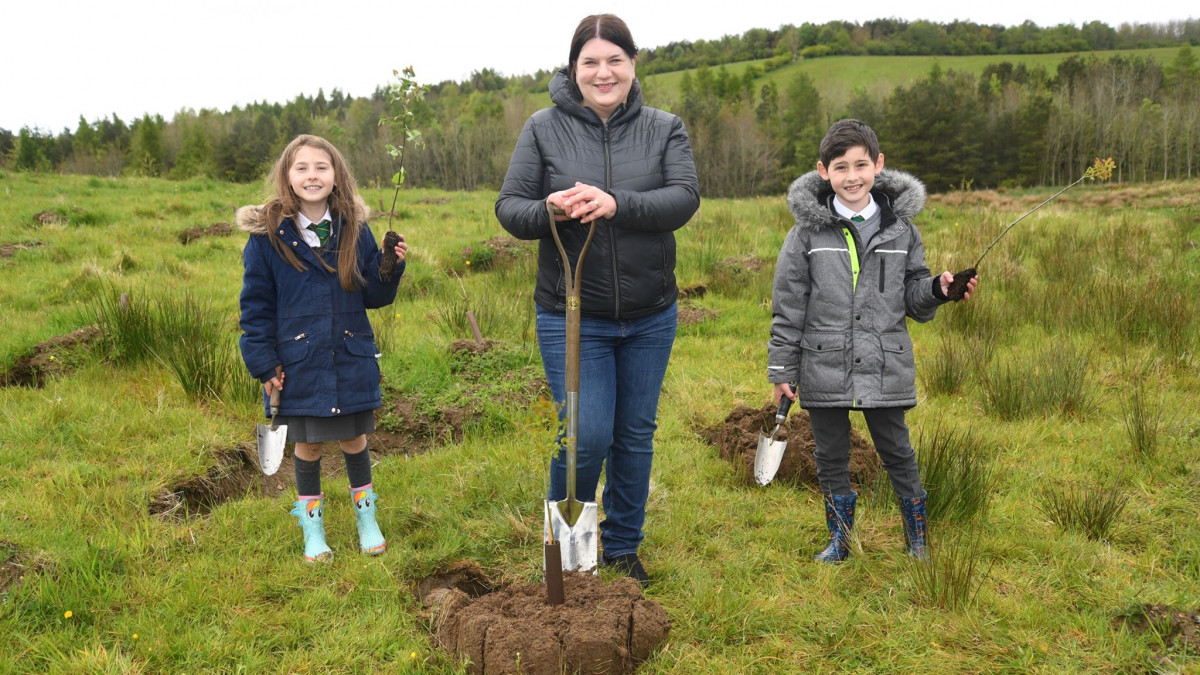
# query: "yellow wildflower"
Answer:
x=68 y=614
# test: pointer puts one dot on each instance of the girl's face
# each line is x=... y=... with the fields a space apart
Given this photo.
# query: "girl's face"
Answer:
x=311 y=177
x=604 y=73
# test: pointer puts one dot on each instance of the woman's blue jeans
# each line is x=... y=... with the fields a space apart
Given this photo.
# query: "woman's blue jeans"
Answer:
x=621 y=370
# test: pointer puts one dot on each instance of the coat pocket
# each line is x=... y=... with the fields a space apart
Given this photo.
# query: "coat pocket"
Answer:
x=899 y=366
x=823 y=363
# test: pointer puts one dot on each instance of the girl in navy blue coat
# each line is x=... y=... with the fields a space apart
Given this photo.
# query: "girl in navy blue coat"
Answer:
x=312 y=269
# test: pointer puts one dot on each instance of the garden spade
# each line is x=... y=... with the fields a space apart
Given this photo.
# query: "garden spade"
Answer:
x=574 y=524
x=770 y=451
x=271 y=438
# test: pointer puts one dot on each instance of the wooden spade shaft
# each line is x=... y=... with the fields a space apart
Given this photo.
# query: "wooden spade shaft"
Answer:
x=571 y=507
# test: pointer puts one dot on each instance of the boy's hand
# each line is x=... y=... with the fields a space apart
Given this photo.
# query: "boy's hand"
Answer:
x=947 y=279
x=783 y=389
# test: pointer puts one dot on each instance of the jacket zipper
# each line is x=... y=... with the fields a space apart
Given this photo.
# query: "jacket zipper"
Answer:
x=612 y=235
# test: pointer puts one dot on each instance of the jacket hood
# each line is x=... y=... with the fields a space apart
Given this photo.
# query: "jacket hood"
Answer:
x=809 y=195
x=249 y=217
x=565 y=94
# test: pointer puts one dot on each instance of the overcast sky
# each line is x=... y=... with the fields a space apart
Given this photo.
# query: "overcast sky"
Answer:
x=67 y=58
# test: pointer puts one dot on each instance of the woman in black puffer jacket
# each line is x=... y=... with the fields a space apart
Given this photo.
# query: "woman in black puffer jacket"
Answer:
x=600 y=155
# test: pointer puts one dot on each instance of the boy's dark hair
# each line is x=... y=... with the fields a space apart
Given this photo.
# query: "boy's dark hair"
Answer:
x=606 y=27
x=846 y=134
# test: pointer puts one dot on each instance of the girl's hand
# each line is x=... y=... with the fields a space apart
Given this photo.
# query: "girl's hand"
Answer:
x=274 y=383
x=783 y=389
x=401 y=249
x=585 y=203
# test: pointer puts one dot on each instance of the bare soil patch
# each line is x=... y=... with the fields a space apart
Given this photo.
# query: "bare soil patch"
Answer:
x=49 y=359
x=191 y=234
x=1179 y=630
x=737 y=440
x=494 y=252
x=600 y=628
x=48 y=218
x=689 y=316
x=15 y=565
x=9 y=250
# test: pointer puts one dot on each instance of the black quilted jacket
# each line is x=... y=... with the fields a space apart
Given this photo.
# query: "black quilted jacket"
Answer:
x=643 y=158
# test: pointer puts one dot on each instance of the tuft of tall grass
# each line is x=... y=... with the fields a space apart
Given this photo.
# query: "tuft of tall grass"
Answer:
x=958 y=359
x=1143 y=419
x=952 y=576
x=187 y=335
x=1052 y=380
x=1092 y=510
x=958 y=472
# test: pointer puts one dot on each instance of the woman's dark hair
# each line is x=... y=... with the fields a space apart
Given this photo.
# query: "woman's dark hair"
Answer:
x=606 y=27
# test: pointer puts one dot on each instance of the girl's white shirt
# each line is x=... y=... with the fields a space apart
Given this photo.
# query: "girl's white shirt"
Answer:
x=310 y=237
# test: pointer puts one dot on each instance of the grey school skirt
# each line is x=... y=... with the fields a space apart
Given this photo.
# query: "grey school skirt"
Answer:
x=321 y=429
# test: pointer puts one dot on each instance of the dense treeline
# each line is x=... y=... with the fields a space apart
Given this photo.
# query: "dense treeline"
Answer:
x=752 y=133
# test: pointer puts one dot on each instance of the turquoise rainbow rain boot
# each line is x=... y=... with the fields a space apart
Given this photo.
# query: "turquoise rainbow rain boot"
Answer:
x=370 y=539
x=310 y=512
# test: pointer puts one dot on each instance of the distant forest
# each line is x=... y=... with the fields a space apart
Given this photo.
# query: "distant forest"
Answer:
x=752 y=132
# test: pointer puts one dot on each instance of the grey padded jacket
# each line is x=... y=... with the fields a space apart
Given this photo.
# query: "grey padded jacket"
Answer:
x=847 y=345
x=643 y=158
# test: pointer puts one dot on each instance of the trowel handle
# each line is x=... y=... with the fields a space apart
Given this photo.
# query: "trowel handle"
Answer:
x=785 y=404
x=275 y=393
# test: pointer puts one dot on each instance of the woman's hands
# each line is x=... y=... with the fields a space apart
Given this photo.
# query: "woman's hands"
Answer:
x=583 y=202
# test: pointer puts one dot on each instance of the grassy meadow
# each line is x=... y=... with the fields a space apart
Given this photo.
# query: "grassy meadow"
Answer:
x=1057 y=432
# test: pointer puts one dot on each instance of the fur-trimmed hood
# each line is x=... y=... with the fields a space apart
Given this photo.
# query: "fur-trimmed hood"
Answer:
x=809 y=195
x=248 y=218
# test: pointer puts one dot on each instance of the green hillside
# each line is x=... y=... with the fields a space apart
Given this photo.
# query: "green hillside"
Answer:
x=836 y=77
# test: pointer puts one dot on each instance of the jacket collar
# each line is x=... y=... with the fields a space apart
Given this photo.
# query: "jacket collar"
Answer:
x=565 y=94
x=898 y=193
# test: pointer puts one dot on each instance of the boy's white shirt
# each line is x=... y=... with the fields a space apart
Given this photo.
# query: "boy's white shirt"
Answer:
x=866 y=213
x=310 y=237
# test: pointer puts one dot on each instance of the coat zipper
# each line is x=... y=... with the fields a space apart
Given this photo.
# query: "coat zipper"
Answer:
x=612 y=235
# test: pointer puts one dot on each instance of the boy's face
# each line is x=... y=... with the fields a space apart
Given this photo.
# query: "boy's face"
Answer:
x=852 y=176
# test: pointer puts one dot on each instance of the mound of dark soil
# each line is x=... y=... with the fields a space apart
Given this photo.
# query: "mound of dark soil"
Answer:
x=1178 y=630
x=15 y=565
x=598 y=629
x=47 y=359
x=9 y=250
x=191 y=234
x=737 y=440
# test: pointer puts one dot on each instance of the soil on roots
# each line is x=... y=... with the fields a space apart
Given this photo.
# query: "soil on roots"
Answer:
x=737 y=439
x=599 y=628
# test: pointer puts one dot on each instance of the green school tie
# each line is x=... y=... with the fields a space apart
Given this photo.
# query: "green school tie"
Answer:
x=857 y=219
x=322 y=230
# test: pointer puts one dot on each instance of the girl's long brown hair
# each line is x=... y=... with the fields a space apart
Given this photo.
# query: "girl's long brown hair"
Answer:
x=344 y=205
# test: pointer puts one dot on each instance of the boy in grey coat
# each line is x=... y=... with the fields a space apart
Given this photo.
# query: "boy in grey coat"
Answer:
x=849 y=274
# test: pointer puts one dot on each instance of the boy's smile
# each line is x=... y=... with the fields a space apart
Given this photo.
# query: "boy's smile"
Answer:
x=852 y=175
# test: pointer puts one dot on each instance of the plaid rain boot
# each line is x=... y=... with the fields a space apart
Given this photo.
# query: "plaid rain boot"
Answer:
x=310 y=513
x=370 y=539
x=839 y=518
x=915 y=533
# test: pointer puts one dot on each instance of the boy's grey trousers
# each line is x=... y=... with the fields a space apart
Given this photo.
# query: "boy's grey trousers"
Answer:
x=831 y=434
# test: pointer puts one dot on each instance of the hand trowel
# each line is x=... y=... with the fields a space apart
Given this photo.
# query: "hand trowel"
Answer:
x=271 y=439
x=770 y=451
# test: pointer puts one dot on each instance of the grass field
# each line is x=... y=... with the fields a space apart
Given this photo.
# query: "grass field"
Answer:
x=1057 y=431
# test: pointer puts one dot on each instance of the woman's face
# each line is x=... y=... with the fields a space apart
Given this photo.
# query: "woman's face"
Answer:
x=604 y=73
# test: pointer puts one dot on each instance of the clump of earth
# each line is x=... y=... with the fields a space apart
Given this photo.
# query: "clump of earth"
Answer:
x=737 y=439
x=599 y=628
